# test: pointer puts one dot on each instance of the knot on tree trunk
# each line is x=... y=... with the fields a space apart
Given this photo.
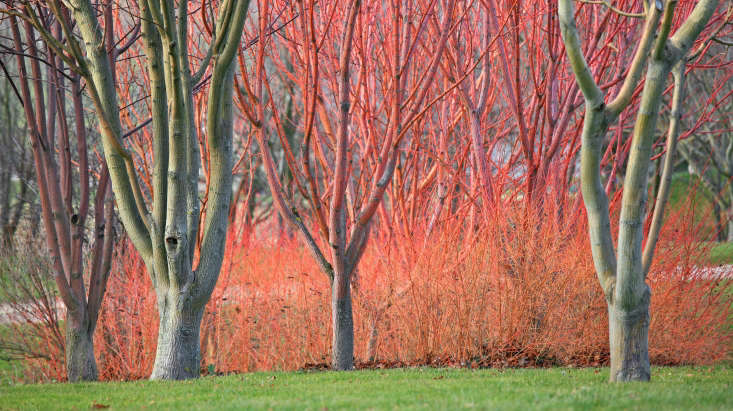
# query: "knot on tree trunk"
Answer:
x=187 y=331
x=174 y=243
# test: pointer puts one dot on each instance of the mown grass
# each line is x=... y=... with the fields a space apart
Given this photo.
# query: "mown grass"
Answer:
x=423 y=388
x=721 y=253
x=11 y=367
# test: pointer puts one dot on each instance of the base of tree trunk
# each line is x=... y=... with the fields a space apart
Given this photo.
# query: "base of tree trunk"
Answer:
x=178 y=354
x=629 y=343
x=80 y=362
x=342 y=356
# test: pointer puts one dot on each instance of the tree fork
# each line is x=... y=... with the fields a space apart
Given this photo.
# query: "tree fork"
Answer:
x=623 y=277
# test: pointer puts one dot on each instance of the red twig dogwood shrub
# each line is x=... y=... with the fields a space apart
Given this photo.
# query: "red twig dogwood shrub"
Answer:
x=691 y=299
x=128 y=323
x=258 y=321
x=30 y=329
x=521 y=291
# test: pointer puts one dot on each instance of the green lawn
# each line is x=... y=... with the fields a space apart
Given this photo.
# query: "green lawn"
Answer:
x=721 y=253
x=10 y=367
x=558 y=388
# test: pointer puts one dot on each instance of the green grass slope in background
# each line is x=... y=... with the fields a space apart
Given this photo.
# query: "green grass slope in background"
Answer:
x=682 y=187
x=558 y=388
x=721 y=253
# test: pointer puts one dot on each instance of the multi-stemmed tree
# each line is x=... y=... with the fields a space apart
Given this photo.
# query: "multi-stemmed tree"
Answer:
x=345 y=164
x=65 y=193
x=622 y=276
x=166 y=235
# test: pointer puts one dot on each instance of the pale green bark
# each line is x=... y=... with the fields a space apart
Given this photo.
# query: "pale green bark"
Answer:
x=100 y=79
x=166 y=238
x=623 y=279
x=666 y=178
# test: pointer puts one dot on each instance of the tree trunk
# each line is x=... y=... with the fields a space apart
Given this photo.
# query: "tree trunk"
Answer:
x=343 y=328
x=6 y=190
x=628 y=332
x=80 y=362
x=719 y=223
x=730 y=222
x=178 y=355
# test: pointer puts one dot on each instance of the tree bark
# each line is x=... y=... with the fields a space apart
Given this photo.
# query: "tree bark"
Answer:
x=80 y=362
x=343 y=328
x=6 y=190
x=623 y=278
x=178 y=355
x=628 y=332
x=167 y=238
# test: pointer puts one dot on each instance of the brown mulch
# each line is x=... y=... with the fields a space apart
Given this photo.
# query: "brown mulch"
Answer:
x=502 y=358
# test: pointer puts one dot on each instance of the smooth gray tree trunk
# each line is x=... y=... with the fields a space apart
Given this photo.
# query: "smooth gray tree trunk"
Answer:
x=623 y=279
x=343 y=329
x=628 y=331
